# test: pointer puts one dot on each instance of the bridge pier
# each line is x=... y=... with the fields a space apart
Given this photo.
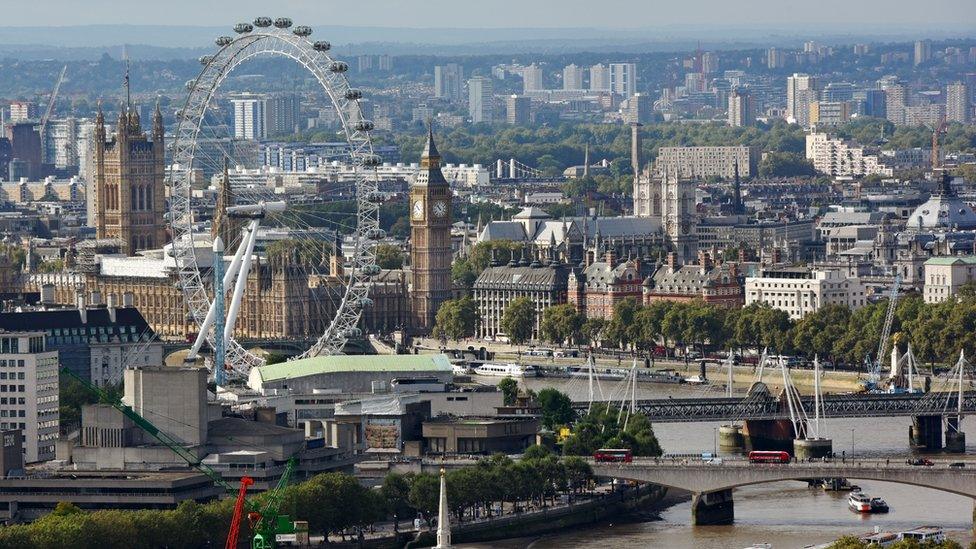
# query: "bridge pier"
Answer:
x=768 y=434
x=955 y=440
x=806 y=449
x=925 y=433
x=730 y=439
x=712 y=508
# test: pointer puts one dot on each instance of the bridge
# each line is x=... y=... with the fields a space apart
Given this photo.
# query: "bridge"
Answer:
x=513 y=171
x=763 y=405
x=711 y=483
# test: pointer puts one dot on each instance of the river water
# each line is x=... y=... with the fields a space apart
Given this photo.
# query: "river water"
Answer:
x=783 y=514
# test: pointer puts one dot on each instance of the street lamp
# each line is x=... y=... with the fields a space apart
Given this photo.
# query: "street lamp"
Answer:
x=852 y=443
x=714 y=441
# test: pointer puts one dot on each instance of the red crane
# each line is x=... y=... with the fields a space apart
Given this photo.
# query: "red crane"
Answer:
x=235 y=523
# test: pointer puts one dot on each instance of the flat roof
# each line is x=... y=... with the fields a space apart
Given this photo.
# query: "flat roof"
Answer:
x=354 y=363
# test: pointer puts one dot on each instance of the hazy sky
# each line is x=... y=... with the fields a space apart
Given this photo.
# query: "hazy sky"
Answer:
x=502 y=13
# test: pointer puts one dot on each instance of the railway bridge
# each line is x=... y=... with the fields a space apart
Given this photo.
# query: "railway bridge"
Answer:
x=711 y=482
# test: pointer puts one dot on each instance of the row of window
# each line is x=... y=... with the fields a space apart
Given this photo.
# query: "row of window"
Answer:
x=12 y=400
x=13 y=375
x=12 y=389
x=13 y=413
x=12 y=363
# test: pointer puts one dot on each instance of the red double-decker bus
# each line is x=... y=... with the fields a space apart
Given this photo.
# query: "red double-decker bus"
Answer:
x=622 y=455
x=769 y=457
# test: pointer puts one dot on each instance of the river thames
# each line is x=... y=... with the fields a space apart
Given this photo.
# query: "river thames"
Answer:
x=783 y=514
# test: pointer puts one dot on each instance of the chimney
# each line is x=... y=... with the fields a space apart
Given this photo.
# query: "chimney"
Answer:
x=672 y=261
x=128 y=300
x=82 y=310
x=110 y=303
x=47 y=294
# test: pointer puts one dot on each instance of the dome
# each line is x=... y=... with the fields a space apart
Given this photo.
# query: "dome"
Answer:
x=943 y=210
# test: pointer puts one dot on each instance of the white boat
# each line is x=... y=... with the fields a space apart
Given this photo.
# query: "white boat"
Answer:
x=461 y=369
x=696 y=380
x=859 y=502
x=923 y=534
x=510 y=369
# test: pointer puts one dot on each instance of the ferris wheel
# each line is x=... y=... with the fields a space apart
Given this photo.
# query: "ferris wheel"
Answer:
x=298 y=230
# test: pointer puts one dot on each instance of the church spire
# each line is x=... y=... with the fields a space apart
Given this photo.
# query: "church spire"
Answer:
x=737 y=192
x=157 y=124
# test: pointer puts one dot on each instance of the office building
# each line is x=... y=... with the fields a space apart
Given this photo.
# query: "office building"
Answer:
x=741 y=111
x=448 y=81
x=572 y=77
x=958 y=108
x=21 y=111
x=129 y=189
x=532 y=78
x=801 y=90
x=945 y=275
x=25 y=147
x=801 y=290
x=829 y=113
x=283 y=114
x=250 y=116
x=896 y=100
x=709 y=63
x=623 y=79
x=923 y=51
x=481 y=98
x=29 y=379
x=518 y=110
x=599 y=77
x=703 y=162
x=838 y=91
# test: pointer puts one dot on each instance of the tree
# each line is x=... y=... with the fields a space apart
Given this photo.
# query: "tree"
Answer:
x=425 y=495
x=578 y=472
x=620 y=328
x=561 y=323
x=389 y=256
x=396 y=493
x=456 y=318
x=557 y=408
x=785 y=164
x=593 y=330
x=519 y=320
x=463 y=273
x=603 y=427
x=510 y=389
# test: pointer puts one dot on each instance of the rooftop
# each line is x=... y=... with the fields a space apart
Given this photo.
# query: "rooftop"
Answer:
x=352 y=363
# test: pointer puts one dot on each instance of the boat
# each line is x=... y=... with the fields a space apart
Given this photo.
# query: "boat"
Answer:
x=923 y=534
x=510 y=369
x=696 y=380
x=461 y=369
x=879 y=505
x=859 y=502
x=838 y=485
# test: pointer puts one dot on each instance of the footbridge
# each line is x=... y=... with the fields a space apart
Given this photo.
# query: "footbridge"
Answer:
x=711 y=482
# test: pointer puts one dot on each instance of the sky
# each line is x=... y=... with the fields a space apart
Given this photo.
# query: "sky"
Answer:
x=781 y=14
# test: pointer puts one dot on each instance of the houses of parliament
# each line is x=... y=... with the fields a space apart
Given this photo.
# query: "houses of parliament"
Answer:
x=285 y=298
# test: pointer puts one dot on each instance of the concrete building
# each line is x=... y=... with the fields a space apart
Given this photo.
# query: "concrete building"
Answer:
x=448 y=81
x=623 y=79
x=928 y=115
x=837 y=157
x=481 y=99
x=347 y=373
x=599 y=78
x=479 y=436
x=923 y=51
x=896 y=101
x=802 y=290
x=741 y=109
x=801 y=90
x=829 y=113
x=637 y=109
x=283 y=115
x=572 y=77
x=945 y=275
x=29 y=383
x=250 y=116
x=703 y=162
x=958 y=108
x=532 y=78
x=21 y=111
x=518 y=110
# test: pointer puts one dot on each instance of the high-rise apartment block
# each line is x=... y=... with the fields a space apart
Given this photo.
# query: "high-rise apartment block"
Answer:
x=532 y=78
x=599 y=77
x=518 y=110
x=829 y=113
x=29 y=379
x=481 y=99
x=638 y=108
x=23 y=110
x=958 y=108
x=284 y=114
x=923 y=51
x=572 y=77
x=702 y=162
x=250 y=116
x=896 y=100
x=801 y=90
x=839 y=158
x=623 y=79
x=741 y=111
x=448 y=81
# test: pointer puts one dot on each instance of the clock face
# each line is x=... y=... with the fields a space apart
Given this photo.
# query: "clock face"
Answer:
x=418 y=209
x=440 y=208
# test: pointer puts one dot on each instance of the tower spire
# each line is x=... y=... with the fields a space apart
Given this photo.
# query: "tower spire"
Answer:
x=737 y=191
x=125 y=82
x=430 y=157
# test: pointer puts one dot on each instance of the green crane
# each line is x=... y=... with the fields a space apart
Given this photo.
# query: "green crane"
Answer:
x=264 y=520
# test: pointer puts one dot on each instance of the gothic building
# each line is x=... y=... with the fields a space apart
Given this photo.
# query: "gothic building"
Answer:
x=430 y=239
x=128 y=173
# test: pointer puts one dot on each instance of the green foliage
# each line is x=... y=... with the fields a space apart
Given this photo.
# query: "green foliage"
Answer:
x=603 y=427
x=510 y=389
x=519 y=319
x=561 y=324
x=557 y=408
x=389 y=256
x=852 y=542
x=72 y=395
x=456 y=318
x=785 y=164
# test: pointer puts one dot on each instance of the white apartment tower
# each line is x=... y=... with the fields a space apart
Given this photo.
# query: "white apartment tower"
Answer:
x=623 y=79
x=481 y=97
x=448 y=81
x=532 y=78
x=29 y=379
x=599 y=77
x=572 y=77
x=957 y=103
x=801 y=90
x=250 y=116
x=741 y=111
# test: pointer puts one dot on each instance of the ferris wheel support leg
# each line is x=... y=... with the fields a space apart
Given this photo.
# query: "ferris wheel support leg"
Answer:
x=235 y=302
x=235 y=266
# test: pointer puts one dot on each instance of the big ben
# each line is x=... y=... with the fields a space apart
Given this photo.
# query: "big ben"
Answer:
x=430 y=239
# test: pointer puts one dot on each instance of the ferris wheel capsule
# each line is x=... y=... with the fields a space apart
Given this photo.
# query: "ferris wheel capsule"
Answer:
x=262 y=22
x=302 y=30
x=372 y=160
x=206 y=59
x=364 y=125
x=364 y=302
x=223 y=40
x=339 y=66
x=322 y=45
x=282 y=22
x=190 y=84
x=353 y=94
x=243 y=28
x=352 y=332
x=376 y=197
x=371 y=270
x=376 y=234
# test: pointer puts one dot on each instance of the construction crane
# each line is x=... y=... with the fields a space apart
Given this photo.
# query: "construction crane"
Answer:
x=235 y=522
x=937 y=134
x=50 y=109
x=875 y=377
x=265 y=521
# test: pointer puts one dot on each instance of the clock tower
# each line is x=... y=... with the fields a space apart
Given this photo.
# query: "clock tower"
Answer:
x=430 y=239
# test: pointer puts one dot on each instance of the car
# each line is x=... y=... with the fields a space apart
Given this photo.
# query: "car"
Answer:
x=923 y=462
x=957 y=465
